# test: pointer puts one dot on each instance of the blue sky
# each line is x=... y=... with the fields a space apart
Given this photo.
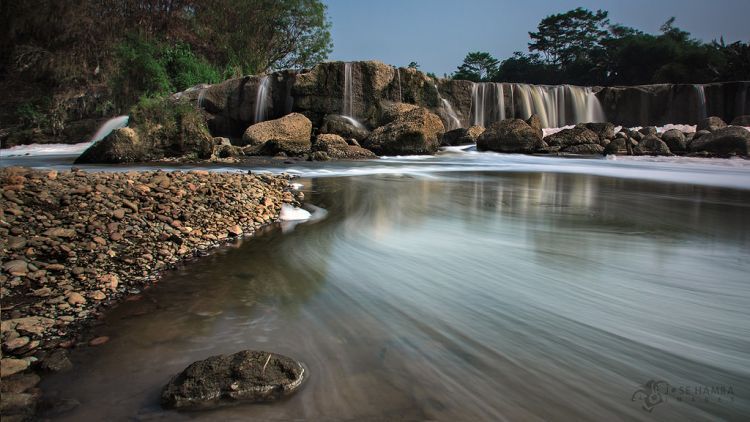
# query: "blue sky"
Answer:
x=438 y=33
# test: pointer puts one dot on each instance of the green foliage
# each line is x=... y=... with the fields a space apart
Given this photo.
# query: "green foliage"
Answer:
x=477 y=66
x=413 y=65
x=570 y=36
x=185 y=69
x=140 y=71
x=31 y=115
x=581 y=47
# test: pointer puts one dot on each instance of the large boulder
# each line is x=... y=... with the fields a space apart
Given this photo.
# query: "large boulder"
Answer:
x=344 y=127
x=652 y=145
x=603 y=130
x=711 y=124
x=510 y=135
x=293 y=127
x=417 y=131
x=247 y=376
x=577 y=135
x=461 y=136
x=121 y=146
x=731 y=140
x=619 y=145
x=675 y=140
x=741 y=121
x=334 y=146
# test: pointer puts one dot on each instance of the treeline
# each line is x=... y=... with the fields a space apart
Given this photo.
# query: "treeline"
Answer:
x=582 y=47
x=129 y=49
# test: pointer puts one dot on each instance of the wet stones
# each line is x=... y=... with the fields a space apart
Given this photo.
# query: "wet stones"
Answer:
x=247 y=376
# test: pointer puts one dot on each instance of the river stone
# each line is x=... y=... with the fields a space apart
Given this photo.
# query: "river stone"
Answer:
x=510 y=135
x=585 y=149
x=10 y=366
x=603 y=130
x=334 y=146
x=578 y=135
x=229 y=379
x=652 y=145
x=741 y=120
x=417 y=131
x=711 y=124
x=675 y=140
x=730 y=140
x=293 y=127
x=461 y=136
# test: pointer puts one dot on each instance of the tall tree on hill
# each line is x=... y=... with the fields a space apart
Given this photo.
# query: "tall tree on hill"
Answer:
x=477 y=66
x=571 y=36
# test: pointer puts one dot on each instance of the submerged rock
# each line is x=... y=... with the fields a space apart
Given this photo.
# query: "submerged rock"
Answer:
x=246 y=376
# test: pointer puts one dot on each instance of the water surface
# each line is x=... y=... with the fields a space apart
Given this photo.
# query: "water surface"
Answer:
x=511 y=295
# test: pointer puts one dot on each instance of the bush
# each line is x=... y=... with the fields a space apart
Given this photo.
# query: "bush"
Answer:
x=185 y=69
x=140 y=72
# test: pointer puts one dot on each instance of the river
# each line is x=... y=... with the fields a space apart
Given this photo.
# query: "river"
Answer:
x=457 y=287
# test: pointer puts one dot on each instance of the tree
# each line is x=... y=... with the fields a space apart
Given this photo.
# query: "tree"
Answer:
x=477 y=66
x=569 y=37
x=413 y=65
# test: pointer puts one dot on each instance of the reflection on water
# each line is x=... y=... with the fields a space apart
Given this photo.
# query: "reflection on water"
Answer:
x=473 y=296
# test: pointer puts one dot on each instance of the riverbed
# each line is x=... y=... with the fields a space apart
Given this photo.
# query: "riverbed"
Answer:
x=461 y=286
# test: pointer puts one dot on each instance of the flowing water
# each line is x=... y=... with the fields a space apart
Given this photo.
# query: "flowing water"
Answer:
x=348 y=100
x=556 y=105
x=261 y=99
x=462 y=286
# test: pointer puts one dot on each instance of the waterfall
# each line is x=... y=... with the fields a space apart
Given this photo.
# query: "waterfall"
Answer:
x=201 y=97
x=109 y=126
x=398 y=75
x=487 y=103
x=455 y=123
x=261 y=99
x=558 y=105
x=701 y=95
x=348 y=109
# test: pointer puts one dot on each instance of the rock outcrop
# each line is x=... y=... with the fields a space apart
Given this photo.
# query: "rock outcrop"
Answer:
x=416 y=131
x=247 y=376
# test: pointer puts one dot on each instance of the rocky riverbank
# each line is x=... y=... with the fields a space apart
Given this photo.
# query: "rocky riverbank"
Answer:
x=74 y=243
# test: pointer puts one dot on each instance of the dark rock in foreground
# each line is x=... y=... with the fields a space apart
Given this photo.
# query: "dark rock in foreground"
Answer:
x=461 y=136
x=246 y=376
x=416 y=131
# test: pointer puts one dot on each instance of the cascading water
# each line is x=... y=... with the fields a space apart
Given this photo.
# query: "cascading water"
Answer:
x=700 y=93
x=201 y=97
x=454 y=122
x=398 y=76
x=487 y=103
x=109 y=126
x=557 y=105
x=348 y=101
x=261 y=99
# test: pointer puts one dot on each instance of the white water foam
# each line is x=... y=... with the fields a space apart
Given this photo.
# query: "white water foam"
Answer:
x=45 y=149
x=291 y=213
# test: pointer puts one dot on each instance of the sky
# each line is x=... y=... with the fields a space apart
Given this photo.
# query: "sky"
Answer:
x=437 y=34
